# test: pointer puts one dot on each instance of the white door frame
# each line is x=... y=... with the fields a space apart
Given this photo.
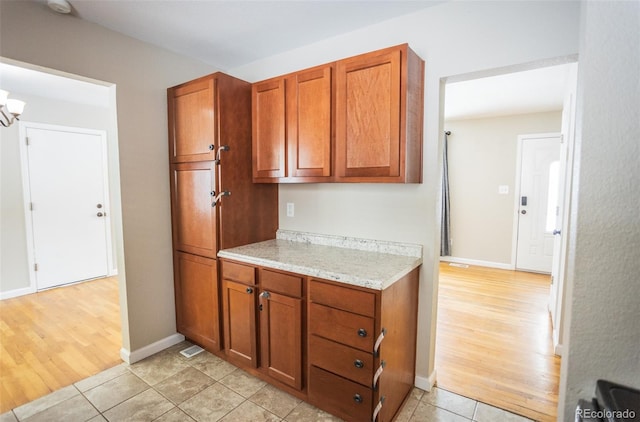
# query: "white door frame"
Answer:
x=516 y=196
x=26 y=191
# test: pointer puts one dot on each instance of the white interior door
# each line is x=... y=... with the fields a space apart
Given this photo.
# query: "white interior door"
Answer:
x=68 y=204
x=539 y=172
x=556 y=294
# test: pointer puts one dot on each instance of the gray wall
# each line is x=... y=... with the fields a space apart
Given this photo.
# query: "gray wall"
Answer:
x=483 y=155
x=604 y=260
x=14 y=271
x=29 y=32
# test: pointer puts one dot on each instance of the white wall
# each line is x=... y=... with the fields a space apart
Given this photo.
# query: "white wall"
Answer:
x=14 y=271
x=453 y=38
x=483 y=155
x=30 y=33
x=604 y=262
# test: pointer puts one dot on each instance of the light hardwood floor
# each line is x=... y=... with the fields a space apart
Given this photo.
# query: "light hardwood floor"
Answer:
x=51 y=339
x=493 y=339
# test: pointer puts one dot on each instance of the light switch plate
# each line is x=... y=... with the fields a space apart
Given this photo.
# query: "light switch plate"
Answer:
x=290 y=209
x=503 y=189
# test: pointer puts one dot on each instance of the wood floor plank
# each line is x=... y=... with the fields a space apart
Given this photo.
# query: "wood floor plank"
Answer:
x=57 y=337
x=493 y=339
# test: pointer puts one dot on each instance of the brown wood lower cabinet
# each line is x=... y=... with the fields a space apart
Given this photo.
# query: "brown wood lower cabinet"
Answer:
x=196 y=289
x=345 y=349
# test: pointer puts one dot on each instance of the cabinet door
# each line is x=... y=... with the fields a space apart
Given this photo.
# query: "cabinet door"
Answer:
x=368 y=115
x=197 y=308
x=268 y=137
x=309 y=122
x=240 y=323
x=194 y=219
x=281 y=337
x=192 y=121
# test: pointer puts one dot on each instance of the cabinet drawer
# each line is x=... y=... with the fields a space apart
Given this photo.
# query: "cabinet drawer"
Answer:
x=343 y=327
x=339 y=396
x=238 y=272
x=345 y=361
x=285 y=284
x=345 y=298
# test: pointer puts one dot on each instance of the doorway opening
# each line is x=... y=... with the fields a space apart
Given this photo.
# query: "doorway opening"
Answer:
x=68 y=118
x=494 y=340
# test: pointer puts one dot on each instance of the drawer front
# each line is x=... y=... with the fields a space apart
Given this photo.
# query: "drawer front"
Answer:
x=345 y=361
x=237 y=272
x=343 y=327
x=345 y=298
x=285 y=284
x=344 y=398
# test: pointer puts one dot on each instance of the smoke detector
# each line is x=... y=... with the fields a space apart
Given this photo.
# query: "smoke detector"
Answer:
x=60 y=6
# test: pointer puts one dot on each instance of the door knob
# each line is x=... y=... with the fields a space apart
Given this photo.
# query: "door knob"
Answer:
x=99 y=206
x=555 y=232
x=99 y=214
x=523 y=212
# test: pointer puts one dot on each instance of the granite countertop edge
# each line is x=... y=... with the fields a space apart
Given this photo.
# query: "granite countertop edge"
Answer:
x=246 y=255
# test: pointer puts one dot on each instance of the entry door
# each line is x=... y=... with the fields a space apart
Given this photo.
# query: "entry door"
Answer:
x=67 y=189
x=539 y=172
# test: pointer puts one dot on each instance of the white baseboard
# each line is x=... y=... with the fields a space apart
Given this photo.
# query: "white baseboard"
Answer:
x=16 y=292
x=426 y=384
x=477 y=262
x=151 y=349
x=557 y=349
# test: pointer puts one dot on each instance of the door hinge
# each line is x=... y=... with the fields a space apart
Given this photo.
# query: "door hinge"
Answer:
x=26 y=140
x=35 y=267
x=30 y=206
x=562 y=138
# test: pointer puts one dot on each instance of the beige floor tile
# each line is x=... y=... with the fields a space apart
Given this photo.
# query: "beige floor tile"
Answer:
x=143 y=407
x=76 y=408
x=305 y=412
x=159 y=367
x=114 y=392
x=274 y=400
x=212 y=365
x=212 y=404
x=98 y=418
x=102 y=377
x=429 y=413
x=409 y=406
x=248 y=411
x=242 y=383
x=175 y=415
x=43 y=403
x=183 y=385
x=486 y=413
x=8 y=417
x=455 y=403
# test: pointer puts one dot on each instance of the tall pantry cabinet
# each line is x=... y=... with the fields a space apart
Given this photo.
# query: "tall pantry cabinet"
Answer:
x=214 y=204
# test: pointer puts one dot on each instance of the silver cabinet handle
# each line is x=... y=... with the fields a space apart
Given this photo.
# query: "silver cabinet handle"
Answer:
x=222 y=148
x=265 y=295
x=220 y=195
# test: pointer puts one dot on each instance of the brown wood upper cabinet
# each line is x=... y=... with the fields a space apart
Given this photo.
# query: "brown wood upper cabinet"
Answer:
x=355 y=120
x=379 y=117
x=191 y=123
x=292 y=128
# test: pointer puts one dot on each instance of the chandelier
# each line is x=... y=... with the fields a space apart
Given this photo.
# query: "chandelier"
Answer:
x=10 y=109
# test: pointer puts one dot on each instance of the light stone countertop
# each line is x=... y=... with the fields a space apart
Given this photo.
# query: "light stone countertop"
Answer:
x=345 y=262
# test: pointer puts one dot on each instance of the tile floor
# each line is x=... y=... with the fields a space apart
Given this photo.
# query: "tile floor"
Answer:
x=168 y=387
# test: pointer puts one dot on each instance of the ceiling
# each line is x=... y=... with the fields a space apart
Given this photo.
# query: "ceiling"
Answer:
x=229 y=33
x=531 y=91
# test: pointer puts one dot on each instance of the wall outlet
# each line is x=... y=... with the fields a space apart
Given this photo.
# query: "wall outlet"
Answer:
x=290 y=209
x=503 y=189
